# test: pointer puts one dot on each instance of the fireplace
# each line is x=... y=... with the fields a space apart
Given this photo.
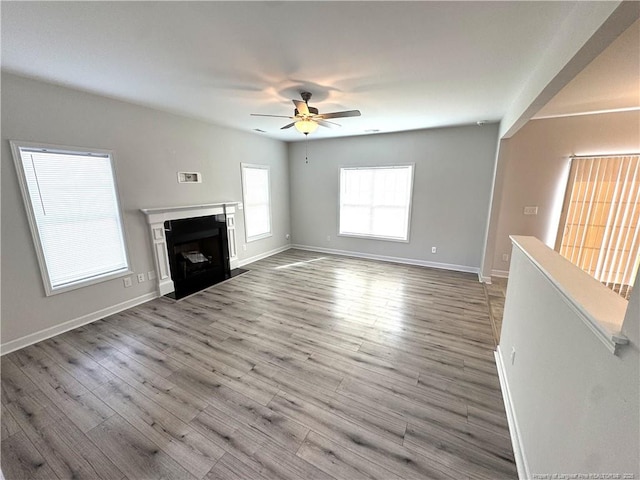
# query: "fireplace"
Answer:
x=198 y=251
x=193 y=242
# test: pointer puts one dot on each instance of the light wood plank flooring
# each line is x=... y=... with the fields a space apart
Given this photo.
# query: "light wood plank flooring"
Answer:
x=308 y=367
x=496 y=296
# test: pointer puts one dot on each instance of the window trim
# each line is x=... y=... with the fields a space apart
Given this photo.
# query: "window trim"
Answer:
x=50 y=290
x=268 y=234
x=409 y=210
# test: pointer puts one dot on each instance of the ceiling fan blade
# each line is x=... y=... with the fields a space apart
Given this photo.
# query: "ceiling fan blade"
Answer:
x=346 y=113
x=288 y=126
x=302 y=107
x=263 y=115
x=324 y=123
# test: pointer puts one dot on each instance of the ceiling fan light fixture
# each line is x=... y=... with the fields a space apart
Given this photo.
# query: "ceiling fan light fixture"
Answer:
x=306 y=126
x=307 y=119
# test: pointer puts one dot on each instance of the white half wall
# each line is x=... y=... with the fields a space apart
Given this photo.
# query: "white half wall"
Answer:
x=572 y=404
x=150 y=148
x=451 y=191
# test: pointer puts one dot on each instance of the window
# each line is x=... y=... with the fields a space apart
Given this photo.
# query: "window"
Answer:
x=72 y=205
x=376 y=202
x=257 y=201
x=599 y=226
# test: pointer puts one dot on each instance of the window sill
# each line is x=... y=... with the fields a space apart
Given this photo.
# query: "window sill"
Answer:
x=374 y=237
x=50 y=291
x=601 y=309
x=259 y=237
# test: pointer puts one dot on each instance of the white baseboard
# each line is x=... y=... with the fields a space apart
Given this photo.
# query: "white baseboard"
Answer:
x=32 y=338
x=500 y=273
x=483 y=279
x=385 y=258
x=518 y=451
x=255 y=258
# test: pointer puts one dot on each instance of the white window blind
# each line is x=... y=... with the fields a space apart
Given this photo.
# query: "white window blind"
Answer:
x=376 y=201
x=73 y=207
x=257 y=201
x=600 y=233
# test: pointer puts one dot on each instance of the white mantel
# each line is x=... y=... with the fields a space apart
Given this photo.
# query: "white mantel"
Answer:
x=156 y=218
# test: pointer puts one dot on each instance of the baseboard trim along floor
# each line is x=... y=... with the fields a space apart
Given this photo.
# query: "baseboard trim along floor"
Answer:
x=35 y=337
x=386 y=258
x=518 y=451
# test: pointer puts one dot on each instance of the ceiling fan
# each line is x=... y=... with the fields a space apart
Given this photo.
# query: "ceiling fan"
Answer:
x=306 y=118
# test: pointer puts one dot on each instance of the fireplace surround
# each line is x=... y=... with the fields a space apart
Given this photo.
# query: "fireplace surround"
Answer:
x=190 y=251
x=198 y=253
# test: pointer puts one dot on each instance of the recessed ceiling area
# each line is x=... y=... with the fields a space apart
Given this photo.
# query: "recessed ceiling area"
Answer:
x=404 y=65
x=610 y=82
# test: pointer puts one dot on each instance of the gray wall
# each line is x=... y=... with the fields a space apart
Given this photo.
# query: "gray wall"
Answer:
x=150 y=147
x=535 y=168
x=452 y=187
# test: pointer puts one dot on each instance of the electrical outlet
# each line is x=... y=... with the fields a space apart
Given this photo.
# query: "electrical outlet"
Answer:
x=151 y=275
x=505 y=257
x=127 y=282
x=244 y=247
x=434 y=249
x=140 y=277
x=328 y=238
x=530 y=210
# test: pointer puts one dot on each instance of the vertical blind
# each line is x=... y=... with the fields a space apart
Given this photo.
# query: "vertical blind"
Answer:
x=257 y=203
x=601 y=233
x=73 y=202
x=375 y=201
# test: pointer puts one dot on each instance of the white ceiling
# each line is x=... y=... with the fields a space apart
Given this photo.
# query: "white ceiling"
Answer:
x=610 y=82
x=404 y=65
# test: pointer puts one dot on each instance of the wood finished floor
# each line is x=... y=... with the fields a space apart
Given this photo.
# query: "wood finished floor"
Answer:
x=496 y=296
x=308 y=367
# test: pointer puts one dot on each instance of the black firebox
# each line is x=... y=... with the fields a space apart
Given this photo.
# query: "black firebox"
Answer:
x=198 y=253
